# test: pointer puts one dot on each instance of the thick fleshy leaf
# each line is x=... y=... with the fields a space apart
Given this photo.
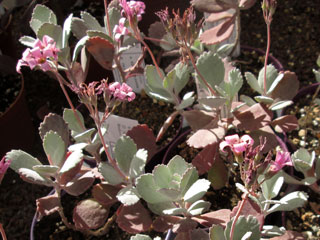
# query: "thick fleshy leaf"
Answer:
x=144 y=138
x=218 y=174
x=253 y=82
x=134 y=219
x=285 y=123
x=154 y=84
x=198 y=119
x=189 y=177
x=114 y=16
x=280 y=105
x=27 y=41
x=212 y=102
x=184 y=225
x=110 y=174
x=271 y=187
x=66 y=30
x=249 y=208
x=163 y=223
x=33 y=177
x=78 y=27
x=219 y=33
x=162 y=176
x=138 y=163
x=199 y=207
x=243 y=226
x=80 y=183
x=140 y=237
x=290 y=201
x=102 y=51
x=204 y=160
x=182 y=77
x=105 y=194
x=84 y=136
x=178 y=165
x=211 y=6
x=69 y=175
x=253 y=118
x=147 y=189
x=47 y=205
x=212 y=69
x=70 y=118
x=51 y=30
x=55 y=123
x=197 y=190
x=40 y=15
x=89 y=214
x=289 y=81
x=159 y=208
x=220 y=217
x=216 y=232
x=72 y=161
x=290 y=235
x=204 y=137
x=125 y=150
x=21 y=159
x=46 y=170
x=303 y=160
x=267 y=133
x=91 y=22
x=55 y=148
x=272 y=74
x=128 y=195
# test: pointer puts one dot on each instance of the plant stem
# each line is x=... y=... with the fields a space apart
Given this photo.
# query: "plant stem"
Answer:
x=111 y=160
x=3 y=233
x=198 y=72
x=266 y=59
x=61 y=212
x=103 y=230
x=157 y=40
x=107 y=16
x=69 y=100
x=244 y=199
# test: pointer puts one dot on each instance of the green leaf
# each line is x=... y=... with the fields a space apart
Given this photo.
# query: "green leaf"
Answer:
x=32 y=176
x=46 y=170
x=147 y=189
x=189 y=177
x=140 y=237
x=55 y=148
x=170 y=42
x=128 y=195
x=40 y=15
x=280 y=105
x=253 y=82
x=114 y=17
x=182 y=77
x=317 y=169
x=178 y=165
x=72 y=122
x=303 y=160
x=271 y=187
x=216 y=232
x=159 y=208
x=212 y=101
x=110 y=174
x=197 y=190
x=162 y=176
x=138 y=163
x=243 y=226
x=271 y=76
x=275 y=83
x=218 y=174
x=80 y=44
x=290 y=202
x=72 y=161
x=236 y=81
x=21 y=159
x=94 y=33
x=174 y=211
x=187 y=101
x=248 y=100
x=125 y=150
x=91 y=22
x=317 y=75
x=52 y=30
x=27 y=41
x=172 y=194
x=263 y=99
x=66 y=31
x=78 y=28
x=199 y=207
x=211 y=68
x=154 y=85
x=84 y=136
x=169 y=80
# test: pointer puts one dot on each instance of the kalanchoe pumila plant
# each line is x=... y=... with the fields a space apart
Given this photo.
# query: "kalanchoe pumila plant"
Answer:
x=172 y=196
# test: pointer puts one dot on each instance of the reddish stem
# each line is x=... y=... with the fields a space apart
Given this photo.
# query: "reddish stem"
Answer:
x=107 y=16
x=3 y=233
x=244 y=199
x=266 y=59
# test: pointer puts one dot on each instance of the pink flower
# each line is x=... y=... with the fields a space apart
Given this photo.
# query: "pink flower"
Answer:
x=132 y=8
x=237 y=145
x=39 y=55
x=120 y=29
x=4 y=165
x=122 y=92
x=282 y=159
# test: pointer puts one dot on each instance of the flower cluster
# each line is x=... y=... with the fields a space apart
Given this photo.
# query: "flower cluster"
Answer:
x=122 y=92
x=4 y=165
x=120 y=30
x=132 y=9
x=39 y=55
x=238 y=145
x=282 y=159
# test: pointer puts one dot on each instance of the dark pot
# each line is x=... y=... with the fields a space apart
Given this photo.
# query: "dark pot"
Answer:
x=17 y=130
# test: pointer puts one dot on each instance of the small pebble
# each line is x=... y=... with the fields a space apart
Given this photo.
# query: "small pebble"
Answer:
x=302 y=133
x=302 y=143
x=315 y=123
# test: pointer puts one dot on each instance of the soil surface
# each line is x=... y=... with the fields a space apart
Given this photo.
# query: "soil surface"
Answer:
x=295 y=37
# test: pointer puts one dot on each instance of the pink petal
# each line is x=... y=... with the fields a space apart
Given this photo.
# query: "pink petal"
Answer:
x=232 y=139
x=246 y=138
x=223 y=145
x=239 y=147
